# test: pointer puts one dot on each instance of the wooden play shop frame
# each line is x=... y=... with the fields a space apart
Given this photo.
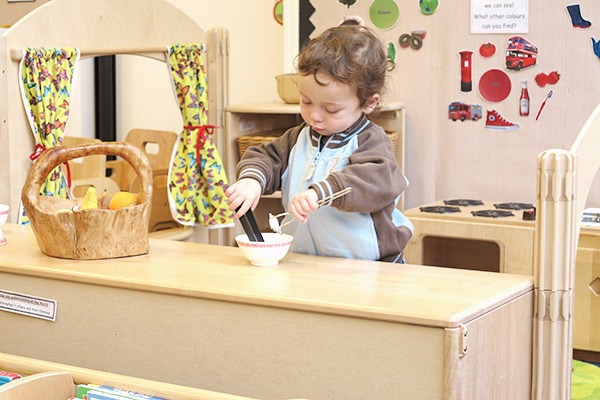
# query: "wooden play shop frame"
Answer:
x=147 y=27
x=133 y=27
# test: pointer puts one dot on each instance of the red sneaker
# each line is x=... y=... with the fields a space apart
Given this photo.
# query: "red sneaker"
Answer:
x=496 y=122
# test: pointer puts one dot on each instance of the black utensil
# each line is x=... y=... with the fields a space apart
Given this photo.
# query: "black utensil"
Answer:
x=251 y=227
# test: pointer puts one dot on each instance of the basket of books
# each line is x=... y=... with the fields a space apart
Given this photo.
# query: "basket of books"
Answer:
x=256 y=139
x=65 y=229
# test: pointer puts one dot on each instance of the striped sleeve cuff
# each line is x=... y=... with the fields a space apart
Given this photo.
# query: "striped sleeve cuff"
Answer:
x=254 y=172
x=325 y=189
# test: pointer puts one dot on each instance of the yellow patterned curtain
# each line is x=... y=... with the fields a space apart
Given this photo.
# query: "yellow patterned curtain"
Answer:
x=197 y=179
x=47 y=78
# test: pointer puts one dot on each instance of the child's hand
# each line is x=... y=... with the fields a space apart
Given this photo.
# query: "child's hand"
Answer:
x=244 y=194
x=303 y=203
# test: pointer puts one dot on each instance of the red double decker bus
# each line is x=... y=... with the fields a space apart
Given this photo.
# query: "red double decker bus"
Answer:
x=520 y=53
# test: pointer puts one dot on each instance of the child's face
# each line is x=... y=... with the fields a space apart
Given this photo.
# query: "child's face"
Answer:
x=330 y=108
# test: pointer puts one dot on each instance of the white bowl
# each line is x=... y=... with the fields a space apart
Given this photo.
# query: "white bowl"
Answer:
x=267 y=253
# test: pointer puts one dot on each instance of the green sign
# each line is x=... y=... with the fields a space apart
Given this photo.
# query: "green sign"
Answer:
x=384 y=14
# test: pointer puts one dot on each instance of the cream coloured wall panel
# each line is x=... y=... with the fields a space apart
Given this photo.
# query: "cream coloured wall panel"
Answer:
x=446 y=159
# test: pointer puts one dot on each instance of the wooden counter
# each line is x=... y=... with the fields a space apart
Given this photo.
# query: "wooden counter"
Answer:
x=314 y=327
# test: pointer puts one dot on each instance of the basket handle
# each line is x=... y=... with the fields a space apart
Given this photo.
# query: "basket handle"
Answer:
x=55 y=156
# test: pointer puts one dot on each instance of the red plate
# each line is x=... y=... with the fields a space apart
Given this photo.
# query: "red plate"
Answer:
x=494 y=85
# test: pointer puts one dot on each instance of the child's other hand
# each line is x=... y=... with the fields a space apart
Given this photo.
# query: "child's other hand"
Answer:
x=244 y=194
x=303 y=203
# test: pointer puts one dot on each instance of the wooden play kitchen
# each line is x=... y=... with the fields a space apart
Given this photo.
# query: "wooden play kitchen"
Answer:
x=499 y=237
x=449 y=234
x=313 y=327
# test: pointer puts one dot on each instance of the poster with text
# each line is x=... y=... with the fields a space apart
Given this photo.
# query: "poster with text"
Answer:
x=499 y=16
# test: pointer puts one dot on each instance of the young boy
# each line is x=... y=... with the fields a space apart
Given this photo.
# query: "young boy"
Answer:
x=341 y=75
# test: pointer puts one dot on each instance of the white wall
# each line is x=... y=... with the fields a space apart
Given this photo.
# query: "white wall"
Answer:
x=82 y=113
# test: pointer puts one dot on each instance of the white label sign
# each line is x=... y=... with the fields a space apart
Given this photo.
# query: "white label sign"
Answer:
x=28 y=305
x=499 y=16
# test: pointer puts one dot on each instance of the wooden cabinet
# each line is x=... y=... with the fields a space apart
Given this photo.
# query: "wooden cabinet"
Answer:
x=247 y=119
x=313 y=327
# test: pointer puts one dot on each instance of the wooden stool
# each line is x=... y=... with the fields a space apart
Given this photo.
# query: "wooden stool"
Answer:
x=158 y=147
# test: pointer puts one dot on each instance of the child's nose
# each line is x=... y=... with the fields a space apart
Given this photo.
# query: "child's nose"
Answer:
x=315 y=115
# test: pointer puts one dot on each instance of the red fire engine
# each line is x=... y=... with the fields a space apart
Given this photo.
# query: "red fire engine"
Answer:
x=462 y=111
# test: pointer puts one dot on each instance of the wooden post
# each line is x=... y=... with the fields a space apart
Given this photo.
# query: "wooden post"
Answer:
x=217 y=60
x=554 y=266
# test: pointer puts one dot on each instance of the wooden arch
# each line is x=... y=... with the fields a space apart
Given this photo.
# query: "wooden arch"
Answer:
x=96 y=27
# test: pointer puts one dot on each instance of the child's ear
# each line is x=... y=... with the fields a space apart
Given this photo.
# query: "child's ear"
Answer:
x=371 y=104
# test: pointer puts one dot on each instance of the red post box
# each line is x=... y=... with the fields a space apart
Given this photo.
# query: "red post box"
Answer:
x=465 y=71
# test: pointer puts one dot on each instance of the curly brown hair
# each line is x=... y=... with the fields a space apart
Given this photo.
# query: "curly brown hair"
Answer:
x=352 y=55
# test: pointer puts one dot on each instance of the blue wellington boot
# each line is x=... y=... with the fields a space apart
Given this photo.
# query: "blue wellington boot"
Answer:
x=596 y=47
x=576 y=18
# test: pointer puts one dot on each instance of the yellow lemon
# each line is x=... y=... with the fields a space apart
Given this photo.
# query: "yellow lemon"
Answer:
x=123 y=199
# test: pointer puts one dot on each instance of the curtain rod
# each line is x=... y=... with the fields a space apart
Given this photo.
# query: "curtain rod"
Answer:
x=159 y=53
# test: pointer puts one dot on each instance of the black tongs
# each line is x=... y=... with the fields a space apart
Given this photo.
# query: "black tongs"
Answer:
x=251 y=227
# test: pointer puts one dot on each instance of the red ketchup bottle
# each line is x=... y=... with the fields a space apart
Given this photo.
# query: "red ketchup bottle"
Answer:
x=524 y=101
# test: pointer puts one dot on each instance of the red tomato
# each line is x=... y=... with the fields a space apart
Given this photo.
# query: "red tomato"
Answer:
x=487 y=49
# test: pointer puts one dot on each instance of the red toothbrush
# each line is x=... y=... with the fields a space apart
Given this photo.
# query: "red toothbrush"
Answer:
x=543 y=104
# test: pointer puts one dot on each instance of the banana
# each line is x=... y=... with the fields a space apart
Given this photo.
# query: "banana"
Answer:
x=90 y=201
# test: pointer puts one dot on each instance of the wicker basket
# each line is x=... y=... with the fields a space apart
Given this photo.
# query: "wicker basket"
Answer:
x=256 y=139
x=88 y=234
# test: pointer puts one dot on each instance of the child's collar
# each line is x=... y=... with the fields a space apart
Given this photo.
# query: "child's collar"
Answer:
x=357 y=126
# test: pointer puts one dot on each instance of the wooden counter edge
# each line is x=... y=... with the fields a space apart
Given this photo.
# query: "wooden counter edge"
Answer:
x=515 y=291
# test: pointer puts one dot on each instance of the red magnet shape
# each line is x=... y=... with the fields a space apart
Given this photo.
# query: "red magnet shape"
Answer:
x=494 y=85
